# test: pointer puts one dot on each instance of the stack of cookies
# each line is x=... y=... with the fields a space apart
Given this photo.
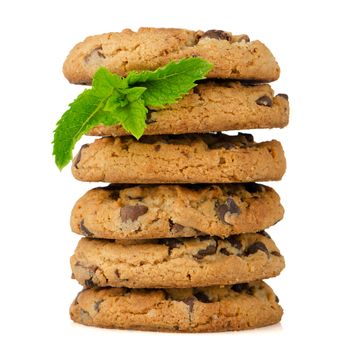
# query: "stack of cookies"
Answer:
x=176 y=241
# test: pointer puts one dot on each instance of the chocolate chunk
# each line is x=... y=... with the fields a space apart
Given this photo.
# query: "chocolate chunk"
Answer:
x=89 y=283
x=157 y=148
x=132 y=212
x=285 y=96
x=248 y=137
x=210 y=250
x=217 y=34
x=116 y=272
x=190 y=302
x=229 y=207
x=252 y=187
x=265 y=234
x=175 y=227
x=202 y=297
x=114 y=195
x=204 y=238
x=84 y=230
x=170 y=242
x=97 y=305
x=277 y=299
x=264 y=101
x=78 y=157
x=252 y=249
x=243 y=287
x=225 y=251
x=243 y=37
x=149 y=119
x=275 y=253
x=234 y=241
x=224 y=144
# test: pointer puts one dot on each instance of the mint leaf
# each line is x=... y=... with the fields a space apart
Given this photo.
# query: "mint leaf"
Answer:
x=104 y=82
x=133 y=117
x=169 y=83
x=84 y=113
x=116 y=100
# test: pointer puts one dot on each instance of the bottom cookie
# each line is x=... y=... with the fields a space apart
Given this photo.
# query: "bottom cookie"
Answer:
x=209 y=309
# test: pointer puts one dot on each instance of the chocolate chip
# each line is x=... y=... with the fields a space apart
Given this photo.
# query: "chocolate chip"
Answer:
x=275 y=253
x=285 y=96
x=265 y=234
x=84 y=230
x=190 y=302
x=225 y=251
x=114 y=195
x=248 y=137
x=89 y=283
x=235 y=242
x=170 y=242
x=224 y=144
x=157 y=148
x=264 y=101
x=149 y=119
x=252 y=187
x=202 y=297
x=132 y=212
x=210 y=250
x=175 y=227
x=277 y=299
x=204 y=238
x=116 y=272
x=243 y=287
x=252 y=249
x=97 y=305
x=229 y=207
x=78 y=157
x=217 y=34
x=243 y=37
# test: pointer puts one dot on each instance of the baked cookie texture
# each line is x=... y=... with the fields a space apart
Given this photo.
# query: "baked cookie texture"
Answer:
x=209 y=309
x=191 y=158
x=176 y=262
x=214 y=106
x=233 y=56
x=166 y=211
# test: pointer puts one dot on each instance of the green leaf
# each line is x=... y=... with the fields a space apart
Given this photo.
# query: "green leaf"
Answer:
x=116 y=100
x=105 y=82
x=133 y=117
x=168 y=84
x=84 y=113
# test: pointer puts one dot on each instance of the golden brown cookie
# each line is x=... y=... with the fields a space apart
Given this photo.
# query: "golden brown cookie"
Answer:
x=210 y=309
x=167 y=211
x=233 y=56
x=214 y=106
x=190 y=158
x=176 y=262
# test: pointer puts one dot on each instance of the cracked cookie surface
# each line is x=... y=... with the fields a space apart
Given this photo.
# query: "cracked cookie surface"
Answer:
x=189 y=158
x=233 y=56
x=214 y=106
x=165 y=211
x=176 y=262
x=209 y=309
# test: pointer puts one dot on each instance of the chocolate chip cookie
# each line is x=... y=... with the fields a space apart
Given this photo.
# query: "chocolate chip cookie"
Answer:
x=233 y=56
x=163 y=211
x=209 y=309
x=214 y=106
x=176 y=262
x=189 y=158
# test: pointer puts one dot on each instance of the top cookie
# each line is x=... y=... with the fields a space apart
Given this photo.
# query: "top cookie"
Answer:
x=233 y=56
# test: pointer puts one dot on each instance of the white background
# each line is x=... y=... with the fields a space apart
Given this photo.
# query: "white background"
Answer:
x=311 y=42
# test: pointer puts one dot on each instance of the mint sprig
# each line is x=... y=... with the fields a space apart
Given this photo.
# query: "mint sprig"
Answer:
x=115 y=100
